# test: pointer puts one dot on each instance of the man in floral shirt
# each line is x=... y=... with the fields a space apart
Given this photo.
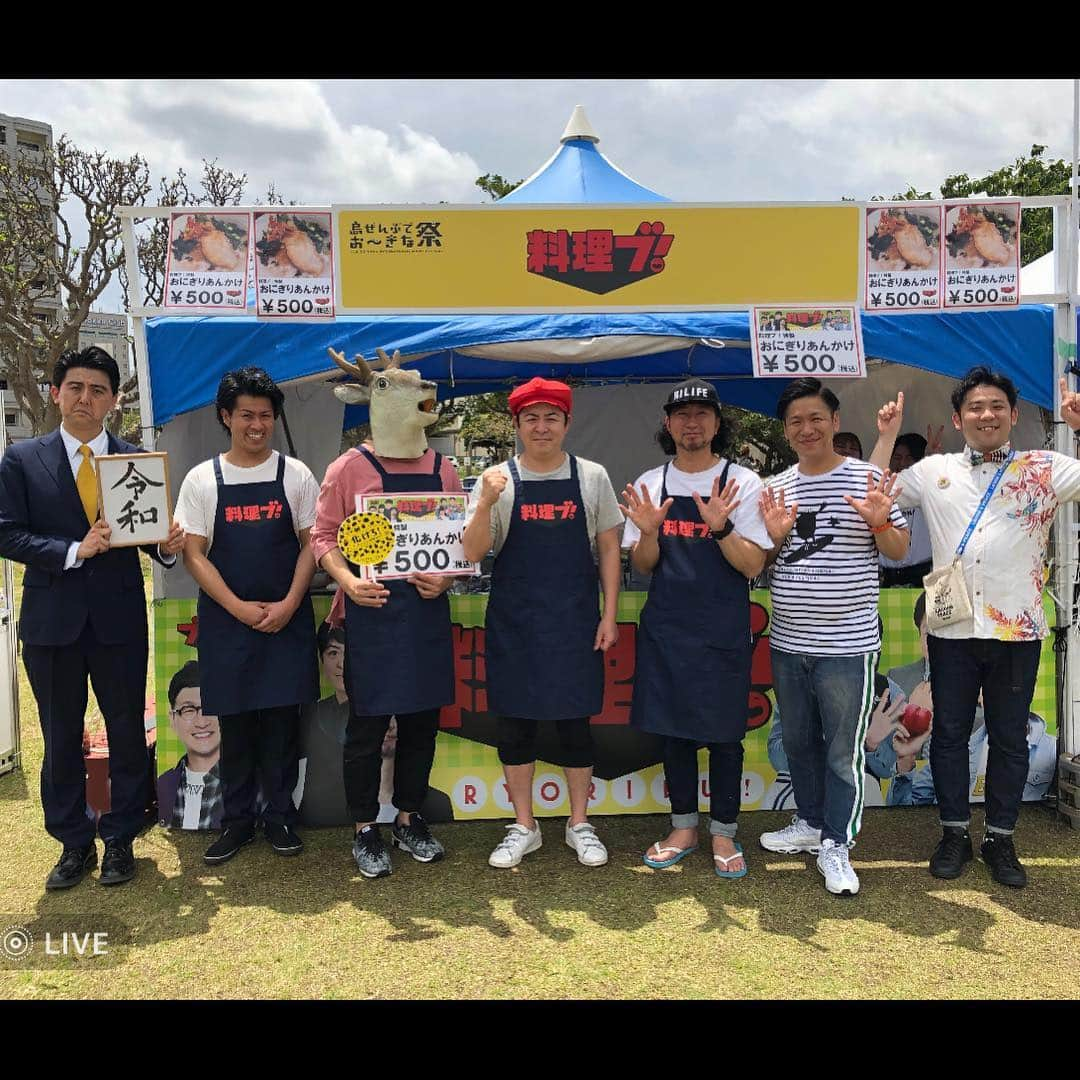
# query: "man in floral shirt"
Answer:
x=996 y=652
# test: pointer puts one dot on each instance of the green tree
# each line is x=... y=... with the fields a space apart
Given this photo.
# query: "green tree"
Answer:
x=496 y=186
x=764 y=434
x=1029 y=175
x=487 y=422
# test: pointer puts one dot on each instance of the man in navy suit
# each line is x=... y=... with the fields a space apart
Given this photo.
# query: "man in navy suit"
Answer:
x=83 y=614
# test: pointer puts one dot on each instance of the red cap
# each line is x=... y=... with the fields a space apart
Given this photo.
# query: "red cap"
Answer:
x=549 y=391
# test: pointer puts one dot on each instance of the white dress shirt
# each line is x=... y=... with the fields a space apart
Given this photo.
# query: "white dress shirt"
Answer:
x=1004 y=560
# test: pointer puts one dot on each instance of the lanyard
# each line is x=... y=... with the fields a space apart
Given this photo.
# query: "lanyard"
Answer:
x=985 y=502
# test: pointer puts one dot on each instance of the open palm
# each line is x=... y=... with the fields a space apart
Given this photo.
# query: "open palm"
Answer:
x=642 y=511
x=878 y=504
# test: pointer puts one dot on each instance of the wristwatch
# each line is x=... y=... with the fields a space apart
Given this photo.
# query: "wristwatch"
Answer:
x=719 y=534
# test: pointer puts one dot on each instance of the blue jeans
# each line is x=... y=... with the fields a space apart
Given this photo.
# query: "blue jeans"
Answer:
x=826 y=703
x=1005 y=672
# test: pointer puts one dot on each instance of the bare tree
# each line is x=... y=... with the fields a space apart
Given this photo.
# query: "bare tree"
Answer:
x=219 y=187
x=49 y=201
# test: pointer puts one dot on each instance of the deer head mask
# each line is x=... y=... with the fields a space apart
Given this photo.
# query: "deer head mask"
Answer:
x=402 y=404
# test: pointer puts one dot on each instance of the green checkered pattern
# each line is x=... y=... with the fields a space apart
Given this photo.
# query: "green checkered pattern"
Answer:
x=455 y=756
x=171 y=652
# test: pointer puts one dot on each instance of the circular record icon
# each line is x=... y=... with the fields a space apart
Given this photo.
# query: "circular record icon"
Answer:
x=365 y=539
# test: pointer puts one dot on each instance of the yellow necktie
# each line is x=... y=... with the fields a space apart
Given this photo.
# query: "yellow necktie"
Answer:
x=86 y=482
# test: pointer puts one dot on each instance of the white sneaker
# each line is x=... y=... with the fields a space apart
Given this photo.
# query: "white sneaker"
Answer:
x=798 y=836
x=583 y=839
x=836 y=869
x=515 y=845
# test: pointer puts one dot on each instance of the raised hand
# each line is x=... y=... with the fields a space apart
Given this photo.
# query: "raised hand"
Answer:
x=934 y=444
x=890 y=416
x=492 y=484
x=643 y=512
x=779 y=519
x=1070 y=406
x=885 y=721
x=721 y=504
x=880 y=496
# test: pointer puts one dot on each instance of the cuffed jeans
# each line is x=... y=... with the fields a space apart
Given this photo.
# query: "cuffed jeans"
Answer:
x=1005 y=671
x=826 y=702
x=725 y=776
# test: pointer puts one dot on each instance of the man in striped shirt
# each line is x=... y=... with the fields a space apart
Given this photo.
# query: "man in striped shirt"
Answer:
x=829 y=518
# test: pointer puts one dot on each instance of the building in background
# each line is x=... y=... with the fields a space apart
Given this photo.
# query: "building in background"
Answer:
x=108 y=331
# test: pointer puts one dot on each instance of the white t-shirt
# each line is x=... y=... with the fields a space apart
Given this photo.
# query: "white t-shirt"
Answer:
x=825 y=579
x=747 y=517
x=194 y=783
x=601 y=507
x=196 y=505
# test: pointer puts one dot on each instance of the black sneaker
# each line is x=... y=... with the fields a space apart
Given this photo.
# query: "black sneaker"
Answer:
x=999 y=854
x=118 y=863
x=229 y=843
x=952 y=853
x=369 y=851
x=416 y=839
x=74 y=865
x=283 y=840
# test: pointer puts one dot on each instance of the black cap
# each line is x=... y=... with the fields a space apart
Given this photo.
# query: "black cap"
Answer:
x=692 y=392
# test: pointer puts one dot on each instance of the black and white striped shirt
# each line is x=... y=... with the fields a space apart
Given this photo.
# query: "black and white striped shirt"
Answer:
x=825 y=579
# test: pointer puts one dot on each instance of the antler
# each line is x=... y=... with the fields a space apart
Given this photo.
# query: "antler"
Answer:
x=389 y=361
x=360 y=371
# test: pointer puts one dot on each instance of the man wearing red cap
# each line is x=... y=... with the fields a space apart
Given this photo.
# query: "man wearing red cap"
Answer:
x=542 y=512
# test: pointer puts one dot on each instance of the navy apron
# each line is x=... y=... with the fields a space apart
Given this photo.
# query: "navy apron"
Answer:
x=544 y=608
x=692 y=667
x=255 y=551
x=401 y=656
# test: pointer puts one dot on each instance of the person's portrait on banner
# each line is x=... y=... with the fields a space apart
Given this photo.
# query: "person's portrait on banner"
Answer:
x=189 y=793
x=134 y=497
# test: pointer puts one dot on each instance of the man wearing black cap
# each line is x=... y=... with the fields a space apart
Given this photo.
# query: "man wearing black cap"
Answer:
x=695 y=525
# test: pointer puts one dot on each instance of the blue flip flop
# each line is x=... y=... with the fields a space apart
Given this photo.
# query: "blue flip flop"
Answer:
x=725 y=859
x=661 y=863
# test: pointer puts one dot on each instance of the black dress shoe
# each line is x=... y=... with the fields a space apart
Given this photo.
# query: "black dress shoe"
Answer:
x=952 y=853
x=999 y=854
x=118 y=863
x=283 y=840
x=74 y=865
x=229 y=843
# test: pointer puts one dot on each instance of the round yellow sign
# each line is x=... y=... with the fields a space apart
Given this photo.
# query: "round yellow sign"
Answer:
x=365 y=539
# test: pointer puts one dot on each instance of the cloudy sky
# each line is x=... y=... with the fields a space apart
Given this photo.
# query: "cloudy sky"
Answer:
x=693 y=140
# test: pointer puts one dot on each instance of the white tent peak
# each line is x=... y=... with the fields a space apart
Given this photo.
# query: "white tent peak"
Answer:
x=578 y=127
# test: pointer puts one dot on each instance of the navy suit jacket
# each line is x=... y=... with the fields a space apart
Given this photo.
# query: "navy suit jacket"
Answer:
x=40 y=515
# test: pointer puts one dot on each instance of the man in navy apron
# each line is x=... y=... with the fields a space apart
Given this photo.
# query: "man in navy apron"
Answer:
x=692 y=669
x=398 y=657
x=544 y=635
x=249 y=514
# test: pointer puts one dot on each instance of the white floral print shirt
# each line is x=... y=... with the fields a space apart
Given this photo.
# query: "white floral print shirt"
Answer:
x=1004 y=561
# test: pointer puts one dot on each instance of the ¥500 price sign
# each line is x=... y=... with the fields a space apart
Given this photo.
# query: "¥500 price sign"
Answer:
x=427 y=530
x=789 y=343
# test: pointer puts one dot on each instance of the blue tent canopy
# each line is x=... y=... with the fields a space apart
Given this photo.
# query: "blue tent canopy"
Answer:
x=187 y=356
x=1019 y=343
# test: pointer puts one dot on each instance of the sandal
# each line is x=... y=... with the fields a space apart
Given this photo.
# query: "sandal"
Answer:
x=725 y=859
x=673 y=854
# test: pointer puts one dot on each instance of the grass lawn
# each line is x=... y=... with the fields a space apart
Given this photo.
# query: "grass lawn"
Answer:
x=311 y=927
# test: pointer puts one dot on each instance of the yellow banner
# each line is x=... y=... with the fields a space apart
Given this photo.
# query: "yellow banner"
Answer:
x=649 y=257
